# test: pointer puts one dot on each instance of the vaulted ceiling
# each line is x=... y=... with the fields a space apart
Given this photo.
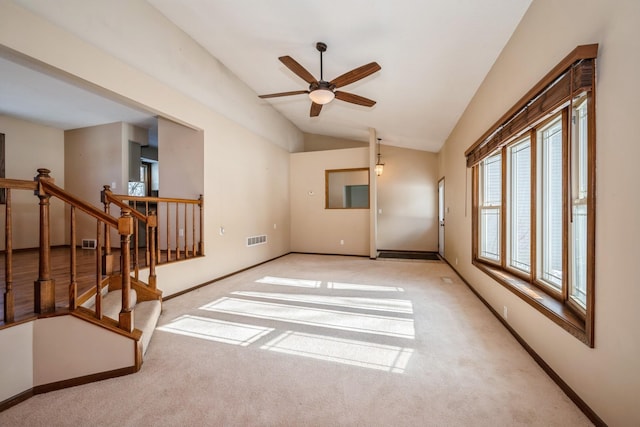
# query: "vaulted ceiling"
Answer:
x=434 y=54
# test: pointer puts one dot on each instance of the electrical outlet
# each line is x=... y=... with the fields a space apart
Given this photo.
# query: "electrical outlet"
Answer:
x=505 y=312
x=275 y=226
x=222 y=231
x=181 y=232
x=342 y=242
x=456 y=260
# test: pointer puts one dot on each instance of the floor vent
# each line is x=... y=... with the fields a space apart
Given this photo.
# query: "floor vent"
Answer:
x=89 y=243
x=256 y=240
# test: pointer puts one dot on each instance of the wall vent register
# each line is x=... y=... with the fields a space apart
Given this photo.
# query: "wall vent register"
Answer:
x=89 y=243
x=256 y=240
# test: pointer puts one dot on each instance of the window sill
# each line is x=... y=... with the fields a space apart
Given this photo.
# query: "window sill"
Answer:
x=540 y=300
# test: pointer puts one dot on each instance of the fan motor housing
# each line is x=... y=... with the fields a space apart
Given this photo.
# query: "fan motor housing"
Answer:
x=321 y=85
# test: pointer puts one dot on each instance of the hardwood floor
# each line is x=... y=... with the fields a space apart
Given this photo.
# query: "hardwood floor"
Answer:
x=25 y=272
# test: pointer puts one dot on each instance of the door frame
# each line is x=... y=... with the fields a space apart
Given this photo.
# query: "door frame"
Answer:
x=441 y=216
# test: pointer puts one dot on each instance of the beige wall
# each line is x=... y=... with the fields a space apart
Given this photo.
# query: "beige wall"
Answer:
x=408 y=200
x=29 y=146
x=606 y=377
x=16 y=360
x=96 y=156
x=181 y=160
x=55 y=349
x=316 y=229
x=313 y=142
x=66 y=347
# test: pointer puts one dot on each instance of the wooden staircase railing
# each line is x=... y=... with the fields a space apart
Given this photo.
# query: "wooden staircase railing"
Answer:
x=44 y=287
x=179 y=237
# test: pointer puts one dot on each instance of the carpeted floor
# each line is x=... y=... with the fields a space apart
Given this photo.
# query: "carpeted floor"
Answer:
x=310 y=340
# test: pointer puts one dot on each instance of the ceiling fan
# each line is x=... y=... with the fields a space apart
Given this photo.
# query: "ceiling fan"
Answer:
x=322 y=92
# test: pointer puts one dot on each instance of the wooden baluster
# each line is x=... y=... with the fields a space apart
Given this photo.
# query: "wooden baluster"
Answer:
x=73 y=285
x=147 y=260
x=107 y=264
x=201 y=249
x=99 y=269
x=193 y=230
x=185 y=232
x=157 y=242
x=136 y=240
x=168 y=234
x=125 y=229
x=177 y=230
x=9 y=311
x=152 y=224
x=44 y=287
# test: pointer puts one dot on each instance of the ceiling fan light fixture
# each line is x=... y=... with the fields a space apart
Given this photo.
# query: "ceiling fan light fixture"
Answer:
x=321 y=91
x=322 y=96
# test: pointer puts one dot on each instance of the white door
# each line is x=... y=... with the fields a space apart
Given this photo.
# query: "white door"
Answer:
x=441 y=217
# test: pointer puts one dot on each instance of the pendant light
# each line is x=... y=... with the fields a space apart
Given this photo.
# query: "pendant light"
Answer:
x=379 y=165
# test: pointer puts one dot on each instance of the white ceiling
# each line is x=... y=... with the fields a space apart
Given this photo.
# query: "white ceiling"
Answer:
x=38 y=96
x=434 y=54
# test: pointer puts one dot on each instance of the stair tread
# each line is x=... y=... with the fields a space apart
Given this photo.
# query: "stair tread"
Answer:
x=146 y=317
x=112 y=303
x=146 y=313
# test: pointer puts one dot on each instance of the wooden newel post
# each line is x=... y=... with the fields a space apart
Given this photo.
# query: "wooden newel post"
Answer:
x=107 y=257
x=152 y=224
x=125 y=229
x=44 y=287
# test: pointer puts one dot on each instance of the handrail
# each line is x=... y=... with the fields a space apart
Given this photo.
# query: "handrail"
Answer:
x=179 y=236
x=87 y=208
x=155 y=199
x=107 y=196
x=18 y=184
x=44 y=287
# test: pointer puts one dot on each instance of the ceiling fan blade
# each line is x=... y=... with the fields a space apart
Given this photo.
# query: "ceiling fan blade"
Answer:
x=274 y=95
x=356 y=74
x=354 y=99
x=315 y=109
x=298 y=69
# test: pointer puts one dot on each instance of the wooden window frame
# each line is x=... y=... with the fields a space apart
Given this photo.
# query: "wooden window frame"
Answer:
x=557 y=306
x=509 y=249
x=500 y=209
x=328 y=172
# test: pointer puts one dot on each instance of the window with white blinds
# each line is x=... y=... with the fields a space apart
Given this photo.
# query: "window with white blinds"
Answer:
x=550 y=204
x=490 y=208
x=519 y=201
x=579 y=236
x=533 y=207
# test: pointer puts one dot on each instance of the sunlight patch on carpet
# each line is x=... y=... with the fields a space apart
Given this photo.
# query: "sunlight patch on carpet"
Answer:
x=378 y=304
x=349 y=352
x=216 y=330
x=346 y=321
x=359 y=287
x=283 y=281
